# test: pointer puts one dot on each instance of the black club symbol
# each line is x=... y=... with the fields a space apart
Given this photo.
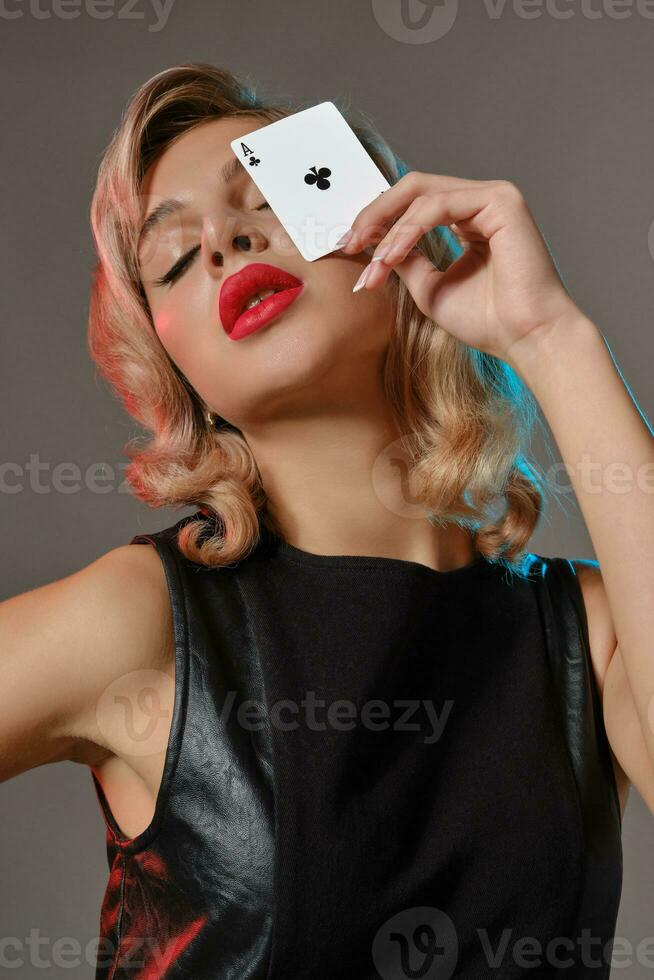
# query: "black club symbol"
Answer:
x=254 y=161
x=318 y=177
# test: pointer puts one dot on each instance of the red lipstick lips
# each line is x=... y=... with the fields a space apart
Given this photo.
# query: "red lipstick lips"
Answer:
x=243 y=286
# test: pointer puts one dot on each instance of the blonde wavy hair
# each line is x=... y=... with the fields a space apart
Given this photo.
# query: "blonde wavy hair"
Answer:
x=466 y=417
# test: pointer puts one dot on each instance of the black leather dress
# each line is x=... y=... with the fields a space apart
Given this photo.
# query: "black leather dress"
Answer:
x=374 y=770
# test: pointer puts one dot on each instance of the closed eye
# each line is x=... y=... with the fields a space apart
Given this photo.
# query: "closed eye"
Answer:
x=185 y=260
x=179 y=267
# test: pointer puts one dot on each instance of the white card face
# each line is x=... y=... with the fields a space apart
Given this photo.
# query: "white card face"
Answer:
x=314 y=173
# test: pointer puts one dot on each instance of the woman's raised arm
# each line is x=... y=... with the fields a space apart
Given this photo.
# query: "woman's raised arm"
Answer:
x=64 y=643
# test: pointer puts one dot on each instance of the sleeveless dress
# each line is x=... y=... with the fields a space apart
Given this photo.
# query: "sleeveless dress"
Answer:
x=374 y=770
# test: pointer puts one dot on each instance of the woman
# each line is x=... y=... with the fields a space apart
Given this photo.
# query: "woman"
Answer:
x=340 y=722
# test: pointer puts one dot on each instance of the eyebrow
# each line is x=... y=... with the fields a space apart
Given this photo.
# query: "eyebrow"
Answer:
x=227 y=173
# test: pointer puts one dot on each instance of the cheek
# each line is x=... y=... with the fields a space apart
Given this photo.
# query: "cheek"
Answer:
x=168 y=331
x=367 y=315
x=366 y=305
x=191 y=338
x=183 y=322
x=185 y=340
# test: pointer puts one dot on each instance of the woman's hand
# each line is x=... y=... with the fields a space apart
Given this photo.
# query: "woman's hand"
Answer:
x=503 y=289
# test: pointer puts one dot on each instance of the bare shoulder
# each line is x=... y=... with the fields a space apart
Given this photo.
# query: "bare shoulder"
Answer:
x=130 y=570
x=127 y=606
x=629 y=752
x=123 y=595
x=64 y=644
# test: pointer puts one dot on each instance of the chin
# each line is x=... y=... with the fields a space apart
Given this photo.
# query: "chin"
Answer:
x=302 y=368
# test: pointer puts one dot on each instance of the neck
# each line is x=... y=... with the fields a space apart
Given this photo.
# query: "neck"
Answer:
x=336 y=485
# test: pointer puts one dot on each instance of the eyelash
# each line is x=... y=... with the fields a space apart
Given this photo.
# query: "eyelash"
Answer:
x=185 y=260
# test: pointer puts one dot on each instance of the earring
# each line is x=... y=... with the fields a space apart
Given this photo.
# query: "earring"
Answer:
x=218 y=423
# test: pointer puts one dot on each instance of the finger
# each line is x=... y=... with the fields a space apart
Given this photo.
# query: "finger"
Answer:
x=374 y=220
x=426 y=212
x=421 y=278
x=464 y=233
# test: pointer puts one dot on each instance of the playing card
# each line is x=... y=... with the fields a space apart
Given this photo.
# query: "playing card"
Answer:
x=314 y=173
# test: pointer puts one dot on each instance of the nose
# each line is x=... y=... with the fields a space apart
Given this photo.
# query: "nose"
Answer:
x=221 y=242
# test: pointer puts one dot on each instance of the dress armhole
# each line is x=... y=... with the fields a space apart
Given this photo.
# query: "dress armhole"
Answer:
x=564 y=587
x=129 y=845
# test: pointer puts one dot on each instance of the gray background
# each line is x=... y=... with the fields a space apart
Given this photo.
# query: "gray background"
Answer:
x=561 y=105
